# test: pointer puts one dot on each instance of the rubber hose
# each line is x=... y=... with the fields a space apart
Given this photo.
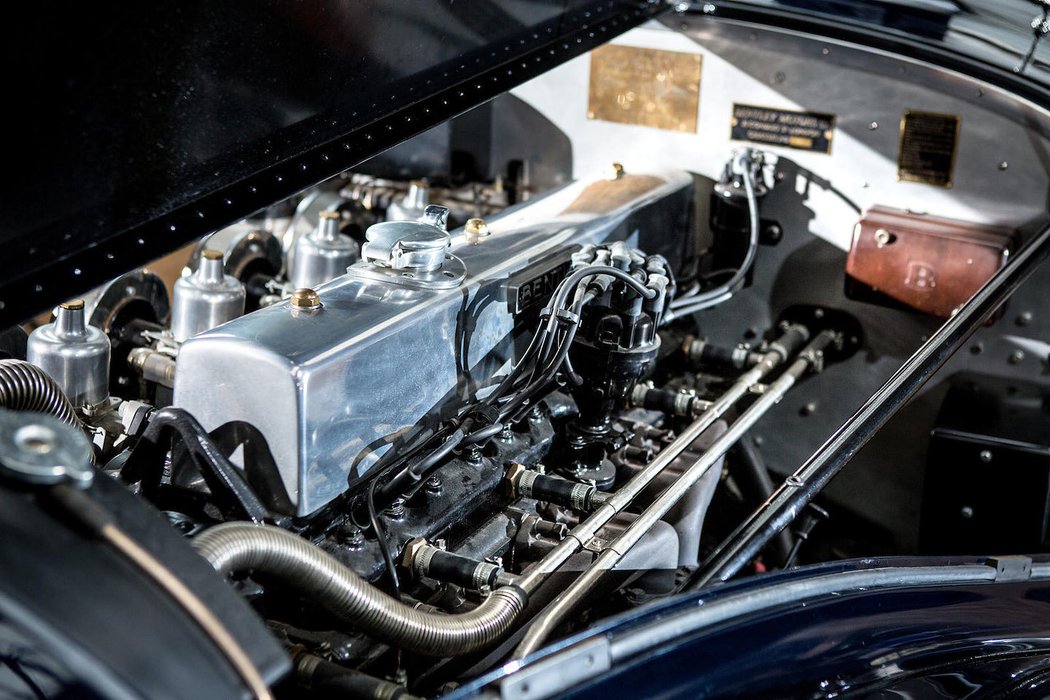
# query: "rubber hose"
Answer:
x=273 y=553
x=26 y=387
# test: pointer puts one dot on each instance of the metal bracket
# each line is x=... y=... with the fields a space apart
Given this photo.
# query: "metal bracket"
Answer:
x=596 y=545
x=552 y=676
x=815 y=358
x=1011 y=568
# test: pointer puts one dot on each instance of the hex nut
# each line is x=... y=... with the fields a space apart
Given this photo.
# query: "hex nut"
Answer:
x=306 y=299
x=412 y=550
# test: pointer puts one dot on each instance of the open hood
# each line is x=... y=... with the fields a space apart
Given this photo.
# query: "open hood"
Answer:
x=133 y=132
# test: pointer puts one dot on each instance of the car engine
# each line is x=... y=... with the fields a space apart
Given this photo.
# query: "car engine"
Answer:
x=421 y=419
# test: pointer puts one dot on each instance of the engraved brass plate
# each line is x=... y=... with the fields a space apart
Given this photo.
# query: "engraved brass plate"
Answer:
x=805 y=131
x=646 y=87
x=928 y=145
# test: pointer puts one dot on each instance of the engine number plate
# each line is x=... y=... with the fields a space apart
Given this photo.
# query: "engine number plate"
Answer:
x=806 y=131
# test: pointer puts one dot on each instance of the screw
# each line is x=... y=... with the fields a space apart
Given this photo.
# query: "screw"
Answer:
x=351 y=536
x=966 y=512
x=305 y=299
x=433 y=485
x=1016 y=356
x=1003 y=165
x=986 y=456
x=1024 y=318
x=873 y=126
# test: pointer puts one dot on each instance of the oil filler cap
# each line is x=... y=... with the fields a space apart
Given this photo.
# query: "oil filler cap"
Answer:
x=411 y=253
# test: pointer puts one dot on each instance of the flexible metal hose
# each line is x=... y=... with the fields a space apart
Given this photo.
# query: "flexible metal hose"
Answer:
x=277 y=554
x=26 y=387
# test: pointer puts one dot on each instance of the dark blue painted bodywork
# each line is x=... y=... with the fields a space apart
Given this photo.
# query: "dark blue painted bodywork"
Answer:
x=978 y=639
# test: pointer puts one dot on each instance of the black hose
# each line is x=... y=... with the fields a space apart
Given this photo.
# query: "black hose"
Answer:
x=325 y=679
x=411 y=475
x=752 y=476
x=26 y=387
x=228 y=486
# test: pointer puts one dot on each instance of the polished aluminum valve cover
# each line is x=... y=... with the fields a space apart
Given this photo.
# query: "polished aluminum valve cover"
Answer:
x=328 y=389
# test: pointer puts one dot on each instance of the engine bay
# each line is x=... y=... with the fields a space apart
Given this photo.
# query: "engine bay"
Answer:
x=529 y=371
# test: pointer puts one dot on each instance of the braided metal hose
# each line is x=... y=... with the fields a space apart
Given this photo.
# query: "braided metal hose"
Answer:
x=263 y=549
x=26 y=387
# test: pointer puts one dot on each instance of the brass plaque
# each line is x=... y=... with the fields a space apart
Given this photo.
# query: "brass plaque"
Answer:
x=646 y=87
x=928 y=145
x=806 y=131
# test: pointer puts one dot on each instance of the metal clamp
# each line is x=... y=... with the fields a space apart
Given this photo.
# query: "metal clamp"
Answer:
x=39 y=449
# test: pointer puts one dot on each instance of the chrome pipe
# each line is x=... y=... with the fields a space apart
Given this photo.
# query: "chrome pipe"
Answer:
x=792 y=337
x=571 y=597
x=278 y=554
x=238 y=547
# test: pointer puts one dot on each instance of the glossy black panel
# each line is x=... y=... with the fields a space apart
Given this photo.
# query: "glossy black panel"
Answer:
x=938 y=639
x=140 y=127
